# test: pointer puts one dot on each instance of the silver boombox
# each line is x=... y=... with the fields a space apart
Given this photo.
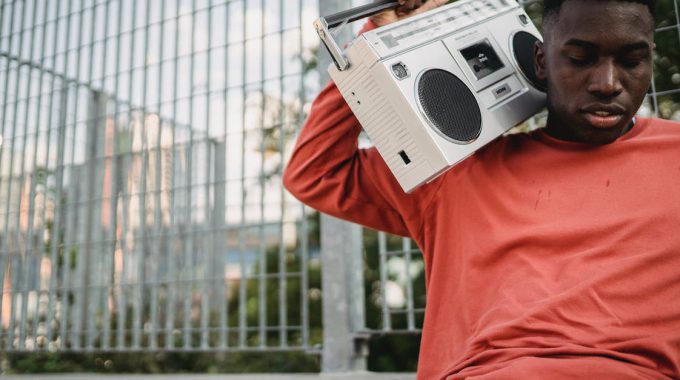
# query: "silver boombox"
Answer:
x=432 y=89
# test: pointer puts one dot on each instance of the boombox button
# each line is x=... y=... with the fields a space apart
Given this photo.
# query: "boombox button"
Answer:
x=502 y=91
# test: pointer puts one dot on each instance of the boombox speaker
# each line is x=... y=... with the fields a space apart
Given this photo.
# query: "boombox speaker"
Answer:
x=432 y=89
x=449 y=105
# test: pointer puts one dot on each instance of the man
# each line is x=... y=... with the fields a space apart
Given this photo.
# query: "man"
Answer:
x=553 y=254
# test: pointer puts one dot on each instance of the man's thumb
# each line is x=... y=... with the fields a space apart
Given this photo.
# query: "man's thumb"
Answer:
x=430 y=5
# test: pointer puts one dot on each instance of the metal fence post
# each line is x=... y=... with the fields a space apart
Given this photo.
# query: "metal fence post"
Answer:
x=343 y=298
x=344 y=350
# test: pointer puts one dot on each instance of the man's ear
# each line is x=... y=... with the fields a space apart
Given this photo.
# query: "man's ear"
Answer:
x=539 y=62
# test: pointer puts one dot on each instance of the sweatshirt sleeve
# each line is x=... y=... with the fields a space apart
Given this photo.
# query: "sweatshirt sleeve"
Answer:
x=329 y=172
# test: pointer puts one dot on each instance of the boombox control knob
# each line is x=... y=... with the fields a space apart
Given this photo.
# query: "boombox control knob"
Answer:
x=400 y=71
x=449 y=105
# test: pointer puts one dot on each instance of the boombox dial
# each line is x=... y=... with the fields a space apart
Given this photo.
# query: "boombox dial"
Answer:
x=449 y=105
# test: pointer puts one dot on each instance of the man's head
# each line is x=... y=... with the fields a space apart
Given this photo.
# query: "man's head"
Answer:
x=597 y=61
x=552 y=7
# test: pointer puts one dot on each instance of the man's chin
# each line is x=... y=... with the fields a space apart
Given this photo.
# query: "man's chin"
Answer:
x=586 y=134
x=599 y=136
x=593 y=131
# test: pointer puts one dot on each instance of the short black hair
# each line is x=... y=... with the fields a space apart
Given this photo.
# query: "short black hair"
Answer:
x=552 y=7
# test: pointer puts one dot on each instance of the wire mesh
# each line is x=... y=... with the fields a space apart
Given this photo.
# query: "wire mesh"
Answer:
x=141 y=206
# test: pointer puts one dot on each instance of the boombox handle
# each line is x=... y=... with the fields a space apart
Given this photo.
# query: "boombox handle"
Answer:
x=324 y=25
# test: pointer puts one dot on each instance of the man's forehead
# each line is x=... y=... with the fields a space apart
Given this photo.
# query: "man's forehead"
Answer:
x=602 y=22
x=604 y=6
x=618 y=45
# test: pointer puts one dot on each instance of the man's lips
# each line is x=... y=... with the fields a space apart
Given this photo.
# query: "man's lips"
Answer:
x=598 y=120
x=604 y=116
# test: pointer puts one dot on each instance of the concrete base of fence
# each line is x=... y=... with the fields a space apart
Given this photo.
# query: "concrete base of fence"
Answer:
x=348 y=376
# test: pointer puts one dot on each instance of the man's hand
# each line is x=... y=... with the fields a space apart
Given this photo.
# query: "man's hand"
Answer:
x=407 y=8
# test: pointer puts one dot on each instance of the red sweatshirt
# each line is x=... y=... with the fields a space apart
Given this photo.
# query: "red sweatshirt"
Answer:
x=544 y=259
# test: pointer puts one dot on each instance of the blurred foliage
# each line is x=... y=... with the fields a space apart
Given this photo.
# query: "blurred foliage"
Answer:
x=667 y=60
x=163 y=362
x=398 y=352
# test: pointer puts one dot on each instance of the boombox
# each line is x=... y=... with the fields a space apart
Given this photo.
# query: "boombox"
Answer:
x=432 y=89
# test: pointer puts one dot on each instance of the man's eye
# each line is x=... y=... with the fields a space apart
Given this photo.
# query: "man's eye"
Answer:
x=631 y=63
x=579 y=61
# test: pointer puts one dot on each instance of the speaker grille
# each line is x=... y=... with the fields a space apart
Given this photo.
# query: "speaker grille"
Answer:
x=449 y=105
x=523 y=46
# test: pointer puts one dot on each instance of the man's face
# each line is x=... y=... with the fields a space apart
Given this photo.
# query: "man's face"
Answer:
x=597 y=61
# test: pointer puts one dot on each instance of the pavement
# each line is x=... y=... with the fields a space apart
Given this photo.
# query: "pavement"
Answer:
x=306 y=376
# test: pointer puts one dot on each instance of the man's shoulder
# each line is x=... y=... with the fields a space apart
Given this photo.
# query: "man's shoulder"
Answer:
x=499 y=151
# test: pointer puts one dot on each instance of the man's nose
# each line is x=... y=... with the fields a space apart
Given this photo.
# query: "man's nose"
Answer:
x=605 y=80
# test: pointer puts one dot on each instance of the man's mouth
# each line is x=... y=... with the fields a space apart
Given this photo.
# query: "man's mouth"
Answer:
x=603 y=117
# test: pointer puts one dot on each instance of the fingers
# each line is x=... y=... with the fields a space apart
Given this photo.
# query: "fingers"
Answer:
x=431 y=4
x=406 y=9
x=408 y=5
x=418 y=6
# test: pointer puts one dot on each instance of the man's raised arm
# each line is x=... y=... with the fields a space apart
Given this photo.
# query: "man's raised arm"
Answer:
x=329 y=172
